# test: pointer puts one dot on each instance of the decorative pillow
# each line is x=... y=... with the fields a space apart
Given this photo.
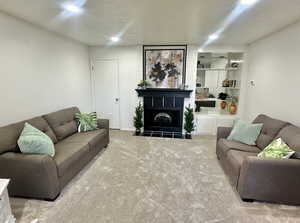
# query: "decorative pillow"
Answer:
x=87 y=122
x=245 y=132
x=35 y=141
x=277 y=149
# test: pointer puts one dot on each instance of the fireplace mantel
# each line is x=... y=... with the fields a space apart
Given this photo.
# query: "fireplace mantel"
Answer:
x=164 y=92
x=163 y=110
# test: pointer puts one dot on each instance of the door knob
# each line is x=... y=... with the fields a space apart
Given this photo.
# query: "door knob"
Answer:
x=117 y=99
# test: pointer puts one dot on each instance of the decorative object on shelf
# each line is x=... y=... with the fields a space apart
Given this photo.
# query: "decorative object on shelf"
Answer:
x=138 y=119
x=183 y=87
x=233 y=106
x=234 y=65
x=198 y=63
x=202 y=93
x=164 y=65
x=229 y=83
x=233 y=109
x=234 y=83
x=225 y=83
x=223 y=96
x=144 y=84
x=189 y=122
x=223 y=104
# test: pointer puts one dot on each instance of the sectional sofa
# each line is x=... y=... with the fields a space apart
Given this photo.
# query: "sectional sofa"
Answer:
x=41 y=176
x=272 y=180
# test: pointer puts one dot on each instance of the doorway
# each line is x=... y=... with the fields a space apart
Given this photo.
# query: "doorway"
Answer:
x=105 y=79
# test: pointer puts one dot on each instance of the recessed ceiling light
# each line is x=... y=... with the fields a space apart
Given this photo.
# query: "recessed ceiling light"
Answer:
x=72 y=8
x=114 y=39
x=248 y=2
x=213 y=37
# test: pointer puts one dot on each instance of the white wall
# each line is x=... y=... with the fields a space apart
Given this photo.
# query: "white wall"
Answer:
x=274 y=66
x=40 y=71
x=131 y=72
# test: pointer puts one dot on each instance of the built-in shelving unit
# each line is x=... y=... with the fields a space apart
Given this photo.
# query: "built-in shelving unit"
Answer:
x=217 y=73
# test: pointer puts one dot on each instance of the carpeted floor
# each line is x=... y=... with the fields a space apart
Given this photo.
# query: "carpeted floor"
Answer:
x=152 y=180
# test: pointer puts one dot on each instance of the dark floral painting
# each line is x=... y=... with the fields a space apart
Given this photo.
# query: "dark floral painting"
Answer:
x=164 y=68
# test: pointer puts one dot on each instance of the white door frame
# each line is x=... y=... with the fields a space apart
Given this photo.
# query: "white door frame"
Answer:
x=93 y=87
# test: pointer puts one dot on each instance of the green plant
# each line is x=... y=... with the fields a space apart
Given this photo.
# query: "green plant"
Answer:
x=144 y=83
x=87 y=122
x=189 y=120
x=138 y=118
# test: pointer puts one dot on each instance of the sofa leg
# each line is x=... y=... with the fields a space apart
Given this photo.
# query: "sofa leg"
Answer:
x=51 y=200
x=247 y=200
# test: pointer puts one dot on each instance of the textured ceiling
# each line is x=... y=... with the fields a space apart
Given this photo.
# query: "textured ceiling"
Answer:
x=157 y=21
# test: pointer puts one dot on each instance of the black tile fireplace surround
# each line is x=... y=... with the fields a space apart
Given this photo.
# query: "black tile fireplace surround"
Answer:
x=163 y=110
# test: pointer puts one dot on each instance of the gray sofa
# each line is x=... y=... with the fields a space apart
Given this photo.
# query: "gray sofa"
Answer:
x=271 y=180
x=41 y=176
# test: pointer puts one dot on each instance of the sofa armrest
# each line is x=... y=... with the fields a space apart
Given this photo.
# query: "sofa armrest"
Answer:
x=274 y=180
x=103 y=124
x=223 y=132
x=32 y=175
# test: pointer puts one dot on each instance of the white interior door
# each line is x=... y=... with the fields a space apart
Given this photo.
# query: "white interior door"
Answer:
x=106 y=91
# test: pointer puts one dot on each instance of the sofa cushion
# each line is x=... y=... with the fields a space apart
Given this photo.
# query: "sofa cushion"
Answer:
x=270 y=129
x=67 y=154
x=34 y=141
x=245 y=132
x=277 y=149
x=10 y=134
x=225 y=145
x=87 y=121
x=235 y=159
x=63 y=122
x=93 y=138
x=291 y=136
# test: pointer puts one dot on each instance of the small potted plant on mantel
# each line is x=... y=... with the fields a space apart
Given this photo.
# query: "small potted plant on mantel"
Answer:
x=189 y=126
x=138 y=119
x=144 y=84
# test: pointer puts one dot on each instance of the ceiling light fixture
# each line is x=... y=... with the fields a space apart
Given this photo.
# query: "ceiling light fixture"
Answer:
x=248 y=2
x=115 y=39
x=213 y=37
x=72 y=8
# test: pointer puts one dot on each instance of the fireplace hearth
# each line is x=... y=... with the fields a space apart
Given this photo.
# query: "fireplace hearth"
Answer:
x=163 y=111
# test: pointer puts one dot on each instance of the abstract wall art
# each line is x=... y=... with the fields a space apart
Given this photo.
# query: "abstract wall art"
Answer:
x=165 y=65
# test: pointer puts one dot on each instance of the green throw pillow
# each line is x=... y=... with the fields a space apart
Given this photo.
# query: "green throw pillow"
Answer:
x=245 y=132
x=87 y=122
x=35 y=141
x=277 y=149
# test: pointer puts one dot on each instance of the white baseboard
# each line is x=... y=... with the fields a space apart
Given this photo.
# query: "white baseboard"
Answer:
x=127 y=129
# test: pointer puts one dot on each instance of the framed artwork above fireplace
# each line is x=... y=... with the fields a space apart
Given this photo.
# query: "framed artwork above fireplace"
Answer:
x=164 y=66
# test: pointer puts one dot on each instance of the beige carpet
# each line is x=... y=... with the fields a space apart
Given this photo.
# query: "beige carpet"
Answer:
x=152 y=180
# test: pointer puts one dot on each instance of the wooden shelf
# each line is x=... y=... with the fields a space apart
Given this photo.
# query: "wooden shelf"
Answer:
x=231 y=88
x=217 y=69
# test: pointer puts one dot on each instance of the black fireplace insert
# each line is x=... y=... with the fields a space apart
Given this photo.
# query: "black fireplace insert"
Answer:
x=163 y=110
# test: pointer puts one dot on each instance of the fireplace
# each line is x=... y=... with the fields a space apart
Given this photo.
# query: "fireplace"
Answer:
x=162 y=120
x=163 y=111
